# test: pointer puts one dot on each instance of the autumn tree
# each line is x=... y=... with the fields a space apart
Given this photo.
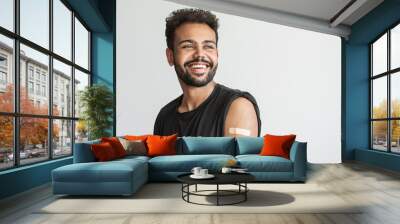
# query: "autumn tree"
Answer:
x=33 y=131
x=380 y=127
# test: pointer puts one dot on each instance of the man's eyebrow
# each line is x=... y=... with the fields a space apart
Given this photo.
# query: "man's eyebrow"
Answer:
x=192 y=41
x=184 y=41
x=209 y=41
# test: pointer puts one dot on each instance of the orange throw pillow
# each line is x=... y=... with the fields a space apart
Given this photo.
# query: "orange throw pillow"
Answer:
x=277 y=145
x=161 y=145
x=136 y=137
x=103 y=152
x=116 y=145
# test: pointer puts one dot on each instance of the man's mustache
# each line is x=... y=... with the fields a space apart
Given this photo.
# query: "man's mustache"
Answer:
x=199 y=60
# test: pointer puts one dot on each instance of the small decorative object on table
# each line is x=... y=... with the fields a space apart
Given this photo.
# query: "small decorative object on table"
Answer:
x=231 y=165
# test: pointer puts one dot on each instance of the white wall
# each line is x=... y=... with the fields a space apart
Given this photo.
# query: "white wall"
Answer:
x=295 y=75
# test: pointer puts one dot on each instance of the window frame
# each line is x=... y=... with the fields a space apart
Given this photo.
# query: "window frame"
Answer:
x=16 y=114
x=388 y=74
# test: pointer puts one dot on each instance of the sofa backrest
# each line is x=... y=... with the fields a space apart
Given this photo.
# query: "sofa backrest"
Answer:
x=206 y=145
x=249 y=145
x=83 y=152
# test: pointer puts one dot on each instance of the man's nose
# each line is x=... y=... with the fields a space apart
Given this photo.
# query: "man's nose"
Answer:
x=199 y=52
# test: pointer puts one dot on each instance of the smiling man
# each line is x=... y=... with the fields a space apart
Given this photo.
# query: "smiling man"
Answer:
x=205 y=108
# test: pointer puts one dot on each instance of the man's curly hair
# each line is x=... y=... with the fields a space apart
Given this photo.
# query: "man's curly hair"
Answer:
x=181 y=16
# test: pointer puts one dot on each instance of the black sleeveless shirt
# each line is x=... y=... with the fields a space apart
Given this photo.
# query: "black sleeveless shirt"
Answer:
x=206 y=120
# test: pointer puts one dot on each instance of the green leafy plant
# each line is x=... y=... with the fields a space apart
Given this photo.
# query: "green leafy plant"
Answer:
x=96 y=102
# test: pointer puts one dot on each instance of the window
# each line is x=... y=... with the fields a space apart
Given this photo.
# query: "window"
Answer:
x=35 y=21
x=38 y=89
x=6 y=73
x=30 y=72
x=43 y=90
x=7 y=14
x=3 y=61
x=81 y=45
x=385 y=91
x=3 y=72
x=3 y=78
x=62 y=29
x=30 y=87
x=55 y=126
x=43 y=77
x=37 y=74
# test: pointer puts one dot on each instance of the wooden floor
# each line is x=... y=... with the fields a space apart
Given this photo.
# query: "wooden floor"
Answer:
x=378 y=188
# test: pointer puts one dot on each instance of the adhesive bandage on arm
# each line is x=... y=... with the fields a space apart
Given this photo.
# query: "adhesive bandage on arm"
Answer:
x=239 y=131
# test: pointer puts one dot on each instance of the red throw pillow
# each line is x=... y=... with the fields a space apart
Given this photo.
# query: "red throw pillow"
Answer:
x=103 y=151
x=161 y=145
x=277 y=145
x=116 y=145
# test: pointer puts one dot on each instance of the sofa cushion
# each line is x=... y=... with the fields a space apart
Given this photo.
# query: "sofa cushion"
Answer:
x=111 y=171
x=161 y=145
x=257 y=163
x=135 y=147
x=275 y=145
x=207 y=145
x=185 y=163
x=116 y=145
x=103 y=152
x=249 y=145
x=83 y=152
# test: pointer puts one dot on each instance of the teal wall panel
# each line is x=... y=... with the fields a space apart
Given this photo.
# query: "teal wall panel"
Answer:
x=24 y=178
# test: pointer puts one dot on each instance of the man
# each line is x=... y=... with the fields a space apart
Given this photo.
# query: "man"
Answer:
x=205 y=108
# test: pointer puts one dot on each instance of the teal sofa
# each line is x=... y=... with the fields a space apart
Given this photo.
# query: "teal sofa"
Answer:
x=125 y=176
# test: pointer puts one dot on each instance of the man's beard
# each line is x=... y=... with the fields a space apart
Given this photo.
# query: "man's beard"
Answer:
x=184 y=75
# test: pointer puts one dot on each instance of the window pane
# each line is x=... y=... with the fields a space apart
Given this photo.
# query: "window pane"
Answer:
x=62 y=137
x=62 y=89
x=379 y=100
x=81 y=81
x=6 y=142
x=34 y=79
x=62 y=29
x=379 y=55
x=81 y=45
x=6 y=74
x=7 y=14
x=33 y=139
x=35 y=21
x=395 y=136
x=395 y=47
x=395 y=94
x=379 y=135
x=81 y=131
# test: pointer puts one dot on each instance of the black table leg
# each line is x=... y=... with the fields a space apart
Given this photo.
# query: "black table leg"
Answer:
x=245 y=193
x=217 y=194
x=196 y=188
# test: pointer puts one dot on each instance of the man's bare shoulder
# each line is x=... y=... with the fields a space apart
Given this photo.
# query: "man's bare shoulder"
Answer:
x=241 y=103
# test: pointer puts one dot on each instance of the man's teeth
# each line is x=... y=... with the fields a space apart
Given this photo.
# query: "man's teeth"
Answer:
x=198 y=66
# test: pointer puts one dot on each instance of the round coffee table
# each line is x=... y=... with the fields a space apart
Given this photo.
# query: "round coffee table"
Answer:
x=238 y=179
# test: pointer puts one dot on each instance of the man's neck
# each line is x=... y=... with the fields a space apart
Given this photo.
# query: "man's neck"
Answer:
x=193 y=97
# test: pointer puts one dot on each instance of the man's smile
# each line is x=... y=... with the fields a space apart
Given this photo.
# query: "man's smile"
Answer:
x=198 y=68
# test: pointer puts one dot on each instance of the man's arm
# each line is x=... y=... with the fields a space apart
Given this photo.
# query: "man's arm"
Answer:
x=241 y=119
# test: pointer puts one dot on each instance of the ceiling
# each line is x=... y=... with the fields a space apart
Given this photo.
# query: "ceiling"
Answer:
x=326 y=16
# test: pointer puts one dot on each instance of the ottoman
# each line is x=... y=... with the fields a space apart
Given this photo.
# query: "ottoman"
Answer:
x=118 y=177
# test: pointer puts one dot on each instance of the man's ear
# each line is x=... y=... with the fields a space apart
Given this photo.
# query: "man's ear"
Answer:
x=170 y=56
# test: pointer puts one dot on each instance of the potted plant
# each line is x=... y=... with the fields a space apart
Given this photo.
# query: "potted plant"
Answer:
x=96 y=102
